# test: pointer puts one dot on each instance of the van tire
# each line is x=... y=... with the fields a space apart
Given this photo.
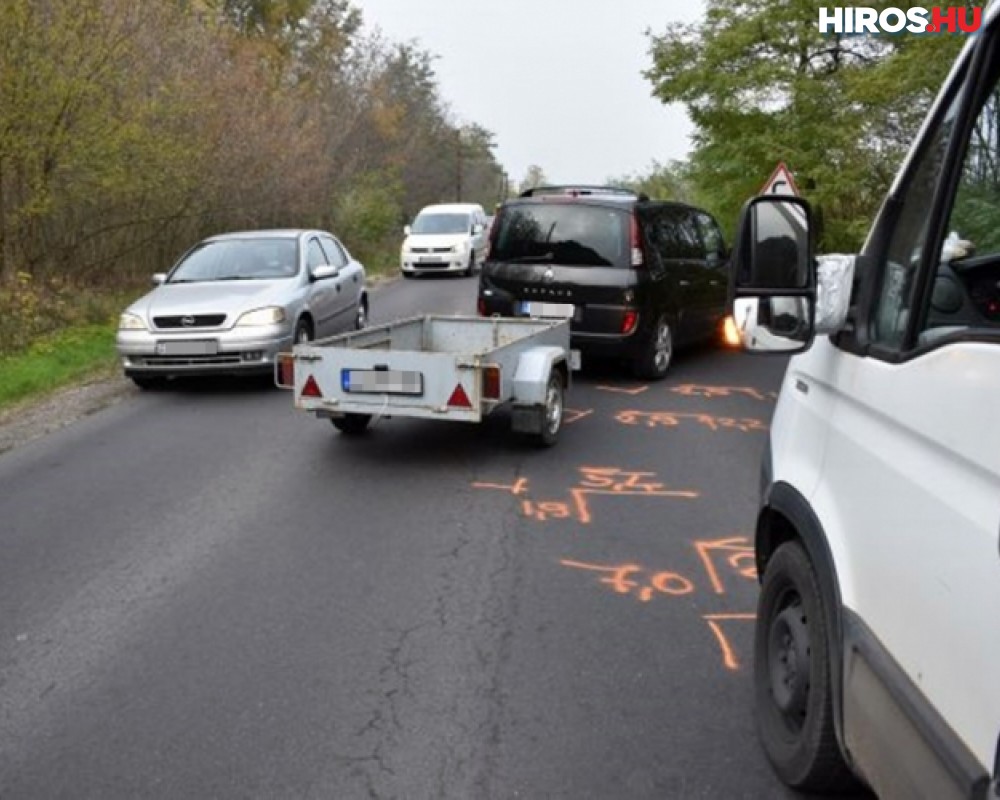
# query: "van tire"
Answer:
x=657 y=352
x=792 y=685
x=351 y=424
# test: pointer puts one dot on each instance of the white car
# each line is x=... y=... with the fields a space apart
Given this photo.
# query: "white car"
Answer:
x=877 y=638
x=445 y=238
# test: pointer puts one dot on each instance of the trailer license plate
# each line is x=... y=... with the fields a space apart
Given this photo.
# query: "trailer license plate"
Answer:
x=205 y=347
x=546 y=310
x=382 y=381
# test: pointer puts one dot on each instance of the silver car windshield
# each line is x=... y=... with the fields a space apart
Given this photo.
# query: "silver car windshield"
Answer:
x=238 y=260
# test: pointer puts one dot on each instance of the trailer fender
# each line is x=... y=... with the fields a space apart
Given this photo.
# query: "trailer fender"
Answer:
x=531 y=378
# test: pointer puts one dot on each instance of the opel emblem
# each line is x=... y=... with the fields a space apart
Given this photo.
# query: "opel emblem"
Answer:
x=549 y=275
x=187 y=322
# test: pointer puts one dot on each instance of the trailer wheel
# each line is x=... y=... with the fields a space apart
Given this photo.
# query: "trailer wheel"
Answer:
x=552 y=411
x=351 y=424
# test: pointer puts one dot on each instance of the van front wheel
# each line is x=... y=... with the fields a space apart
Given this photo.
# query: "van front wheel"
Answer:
x=792 y=684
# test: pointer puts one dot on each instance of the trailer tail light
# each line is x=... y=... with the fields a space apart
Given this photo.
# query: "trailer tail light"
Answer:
x=481 y=306
x=311 y=388
x=629 y=320
x=636 y=241
x=491 y=383
x=284 y=371
x=459 y=399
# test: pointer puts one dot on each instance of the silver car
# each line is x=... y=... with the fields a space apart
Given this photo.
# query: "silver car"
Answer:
x=234 y=301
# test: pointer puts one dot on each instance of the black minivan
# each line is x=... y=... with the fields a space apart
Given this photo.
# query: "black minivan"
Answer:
x=637 y=277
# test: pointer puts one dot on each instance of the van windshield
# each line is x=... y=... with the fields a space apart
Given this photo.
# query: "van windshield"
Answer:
x=441 y=223
x=563 y=233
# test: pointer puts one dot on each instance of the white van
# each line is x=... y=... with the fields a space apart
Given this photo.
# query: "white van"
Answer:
x=445 y=238
x=877 y=645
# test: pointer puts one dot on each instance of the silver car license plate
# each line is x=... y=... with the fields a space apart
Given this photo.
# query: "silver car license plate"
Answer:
x=198 y=347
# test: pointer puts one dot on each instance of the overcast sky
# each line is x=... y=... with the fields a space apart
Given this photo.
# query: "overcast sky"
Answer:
x=557 y=81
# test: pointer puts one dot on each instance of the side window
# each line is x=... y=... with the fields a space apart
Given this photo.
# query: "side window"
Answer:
x=335 y=250
x=710 y=235
x=653 y=231
x=315 y=257
x=895 y=297
x=966 y=291
x=681 y=237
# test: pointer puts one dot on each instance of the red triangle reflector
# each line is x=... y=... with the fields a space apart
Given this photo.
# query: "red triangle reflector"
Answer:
x=459 y=398
x=311 y=388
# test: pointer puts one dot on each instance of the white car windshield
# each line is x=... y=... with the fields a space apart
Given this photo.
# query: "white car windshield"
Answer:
x=442 y=223
x=238 y=259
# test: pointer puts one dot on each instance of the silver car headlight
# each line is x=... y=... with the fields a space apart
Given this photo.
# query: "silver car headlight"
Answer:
x=272 y=315
x=131 y=322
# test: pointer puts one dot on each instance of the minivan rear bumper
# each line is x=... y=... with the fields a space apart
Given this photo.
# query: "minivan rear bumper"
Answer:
x=614 y=345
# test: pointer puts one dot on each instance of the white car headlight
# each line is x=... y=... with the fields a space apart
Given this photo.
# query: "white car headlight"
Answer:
x=272 y=315
x=131 y=322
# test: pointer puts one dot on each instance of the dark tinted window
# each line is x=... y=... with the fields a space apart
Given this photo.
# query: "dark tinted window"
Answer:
x=562 y=233
x=710 y=234
x=678 y=234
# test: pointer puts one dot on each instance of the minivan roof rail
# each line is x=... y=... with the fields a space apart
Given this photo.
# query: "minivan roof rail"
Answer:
x=577 y=190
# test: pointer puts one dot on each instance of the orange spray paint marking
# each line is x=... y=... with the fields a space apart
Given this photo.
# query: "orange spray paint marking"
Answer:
x=620 y=390
x=571 y=415
x=518 y=488
x=546 y=510
x=728 y=658
x=671 y=419
x=700 y=390
x=739 y=555
x=621 y=580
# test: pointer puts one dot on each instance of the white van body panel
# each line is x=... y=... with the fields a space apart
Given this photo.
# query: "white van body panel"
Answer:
x=903 y=471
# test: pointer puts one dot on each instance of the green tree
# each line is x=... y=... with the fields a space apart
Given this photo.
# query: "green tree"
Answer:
x=763 y=85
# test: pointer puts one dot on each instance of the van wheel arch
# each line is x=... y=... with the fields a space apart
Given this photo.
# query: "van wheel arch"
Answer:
x=788 y=517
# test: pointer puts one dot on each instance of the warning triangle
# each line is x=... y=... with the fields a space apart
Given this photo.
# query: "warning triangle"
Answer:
x=459 y=398
x=311 y=388
x=780 y=182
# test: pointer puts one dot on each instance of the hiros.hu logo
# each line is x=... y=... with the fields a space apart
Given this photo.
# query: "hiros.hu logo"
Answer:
x=937 y=19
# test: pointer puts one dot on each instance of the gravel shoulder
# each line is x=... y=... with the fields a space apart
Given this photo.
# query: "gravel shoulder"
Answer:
x=37 y=417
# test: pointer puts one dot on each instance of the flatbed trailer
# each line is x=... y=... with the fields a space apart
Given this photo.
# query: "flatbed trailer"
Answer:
x=437 y=367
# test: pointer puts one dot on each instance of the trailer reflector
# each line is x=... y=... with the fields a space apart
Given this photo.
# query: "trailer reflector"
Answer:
x=285 y=370
x=459 y=399
x=311 y=388
x=491 y=383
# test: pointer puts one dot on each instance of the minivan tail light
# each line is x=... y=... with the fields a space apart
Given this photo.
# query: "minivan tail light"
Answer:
x=629 y=319
x=636 y=241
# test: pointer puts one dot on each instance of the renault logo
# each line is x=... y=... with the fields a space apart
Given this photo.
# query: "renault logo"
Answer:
x=187 y=322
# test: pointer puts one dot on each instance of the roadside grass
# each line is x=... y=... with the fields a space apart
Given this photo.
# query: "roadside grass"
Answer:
x=57 y=360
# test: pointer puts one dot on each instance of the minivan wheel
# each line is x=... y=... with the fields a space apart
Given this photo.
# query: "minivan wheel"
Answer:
x=657 y=353
x=792 y=684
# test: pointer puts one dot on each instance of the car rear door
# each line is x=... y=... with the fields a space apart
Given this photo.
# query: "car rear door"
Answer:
x=350 y=282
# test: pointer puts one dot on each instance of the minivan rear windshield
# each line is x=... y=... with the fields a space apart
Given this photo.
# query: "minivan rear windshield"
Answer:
x=562 y=233
x=442 y=224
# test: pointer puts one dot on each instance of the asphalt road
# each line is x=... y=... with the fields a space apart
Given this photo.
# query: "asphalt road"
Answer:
x=204 y=593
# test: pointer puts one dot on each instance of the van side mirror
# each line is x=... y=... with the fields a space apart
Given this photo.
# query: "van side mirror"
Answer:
x=774 y=275
x=159 y=278
x=477 y=229
x=406 y=230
